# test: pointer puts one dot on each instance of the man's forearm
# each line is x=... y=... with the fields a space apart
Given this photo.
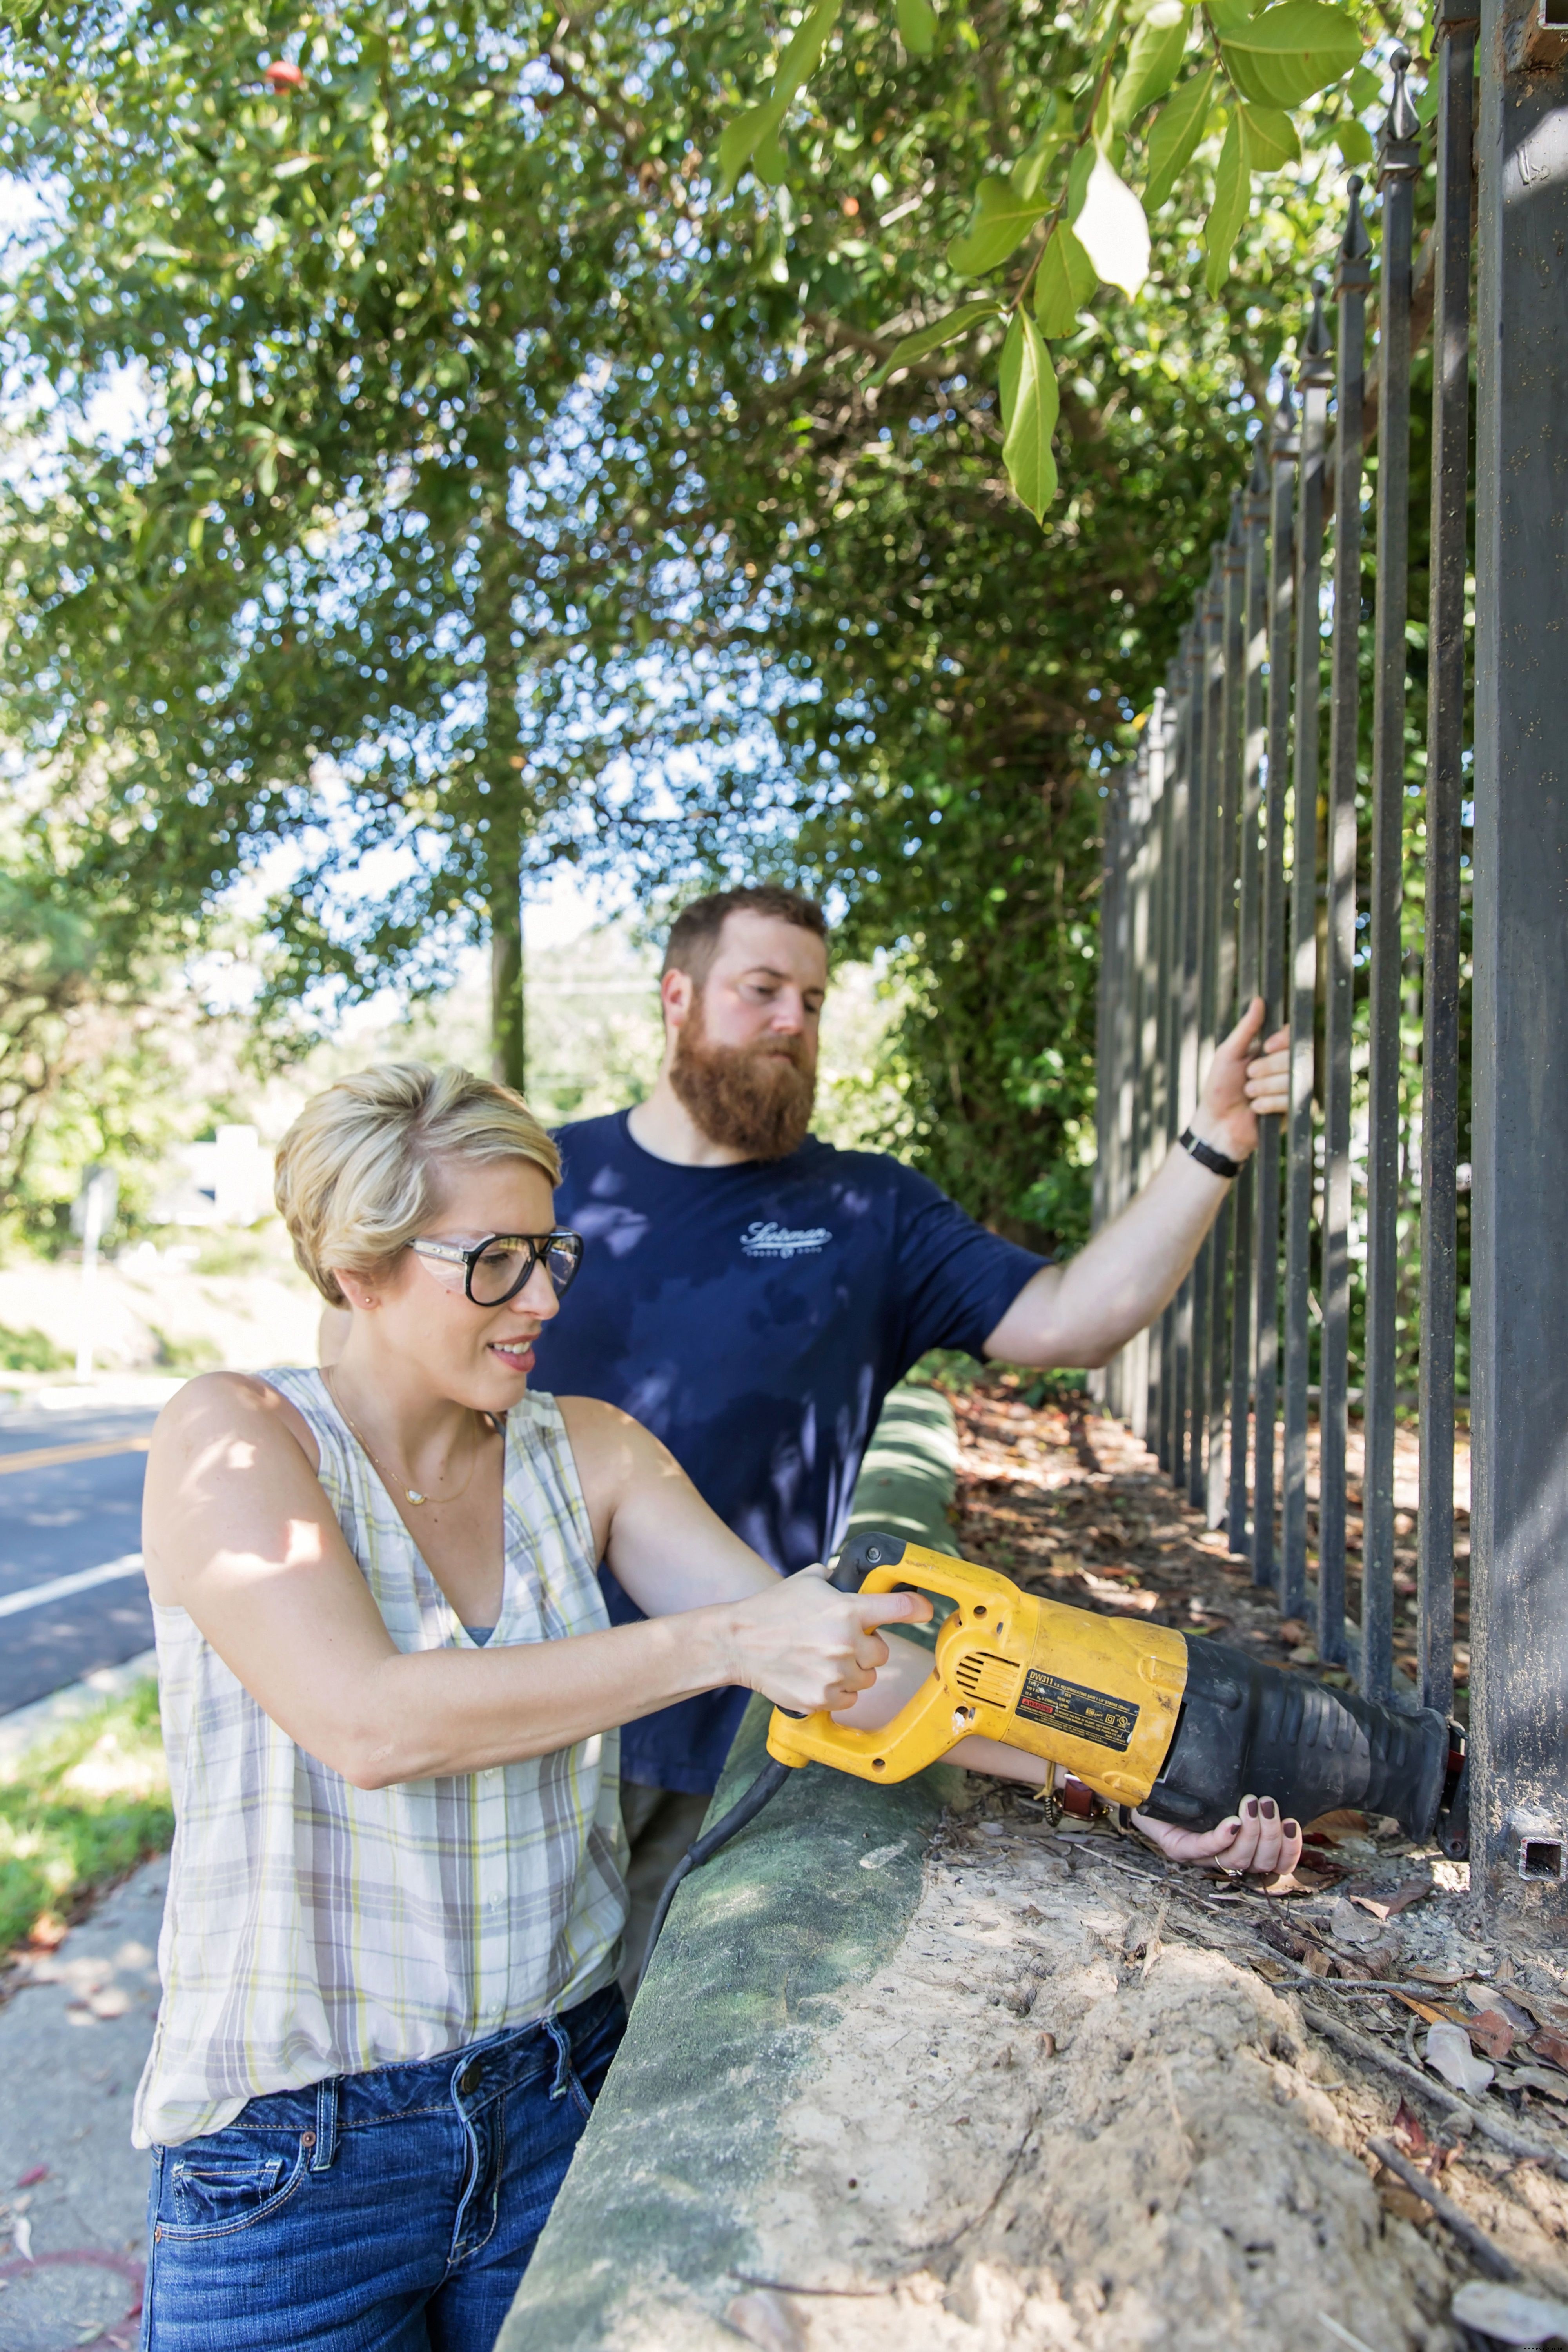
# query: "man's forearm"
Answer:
x=1080 y=1314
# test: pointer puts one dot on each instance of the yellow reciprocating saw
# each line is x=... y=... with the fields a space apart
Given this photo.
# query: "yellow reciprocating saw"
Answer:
x=1146 y=1717
x=1098 y=1695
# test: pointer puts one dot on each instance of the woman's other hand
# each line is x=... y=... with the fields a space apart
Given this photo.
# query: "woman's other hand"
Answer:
x=1254 y=1839
x=807 y=1647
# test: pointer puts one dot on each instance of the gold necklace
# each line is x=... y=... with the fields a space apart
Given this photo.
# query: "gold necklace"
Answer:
x=413 y=1492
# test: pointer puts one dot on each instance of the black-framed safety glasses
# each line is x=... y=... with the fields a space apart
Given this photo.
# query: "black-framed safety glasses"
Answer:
x=496 y=1269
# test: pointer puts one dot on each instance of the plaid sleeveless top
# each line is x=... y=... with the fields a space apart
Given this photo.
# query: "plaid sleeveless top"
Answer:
x=313 y=1929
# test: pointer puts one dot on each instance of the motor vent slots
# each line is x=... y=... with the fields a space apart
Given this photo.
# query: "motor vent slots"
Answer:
x=993 y=1681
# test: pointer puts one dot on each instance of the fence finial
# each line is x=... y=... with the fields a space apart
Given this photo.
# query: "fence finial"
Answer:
x=1284 y=441
x=1258 y=479
x=1399 y=144
x=1355 y=245
x=1317 y=350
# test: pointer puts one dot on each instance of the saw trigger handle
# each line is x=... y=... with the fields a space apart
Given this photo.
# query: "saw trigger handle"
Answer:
x=860 y=1555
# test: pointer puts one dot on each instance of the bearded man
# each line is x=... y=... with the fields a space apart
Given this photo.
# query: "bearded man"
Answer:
x=752 y=1293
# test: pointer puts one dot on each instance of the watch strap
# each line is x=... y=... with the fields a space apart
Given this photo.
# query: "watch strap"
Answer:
x=1219 y=1163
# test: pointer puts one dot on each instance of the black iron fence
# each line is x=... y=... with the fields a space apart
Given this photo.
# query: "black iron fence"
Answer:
x=1232 y=858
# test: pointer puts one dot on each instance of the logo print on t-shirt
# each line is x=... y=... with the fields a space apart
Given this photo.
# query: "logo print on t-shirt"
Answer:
x=767 y=1240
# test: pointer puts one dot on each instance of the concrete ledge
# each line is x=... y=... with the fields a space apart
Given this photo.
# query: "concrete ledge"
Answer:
x=657 y=2221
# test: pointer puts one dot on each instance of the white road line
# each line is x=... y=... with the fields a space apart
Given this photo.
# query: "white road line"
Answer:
x=35 y=1595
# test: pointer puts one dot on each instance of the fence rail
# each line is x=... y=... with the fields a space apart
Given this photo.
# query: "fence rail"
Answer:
x=1232 y=858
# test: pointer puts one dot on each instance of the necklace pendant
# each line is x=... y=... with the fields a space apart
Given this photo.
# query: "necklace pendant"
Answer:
x=414 y=1496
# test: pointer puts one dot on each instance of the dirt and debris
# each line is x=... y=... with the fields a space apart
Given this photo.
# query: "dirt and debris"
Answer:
x=1093 y=2104
x=1096 y=2101
x=1070 y=1504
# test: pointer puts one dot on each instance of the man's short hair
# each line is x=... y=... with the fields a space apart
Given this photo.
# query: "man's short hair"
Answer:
x=694 y=935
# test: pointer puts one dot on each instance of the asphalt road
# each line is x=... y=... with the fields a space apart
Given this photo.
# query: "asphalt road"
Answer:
x=71 y=1504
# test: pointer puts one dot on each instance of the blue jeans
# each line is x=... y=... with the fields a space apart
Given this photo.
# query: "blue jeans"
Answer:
x=393 y=2212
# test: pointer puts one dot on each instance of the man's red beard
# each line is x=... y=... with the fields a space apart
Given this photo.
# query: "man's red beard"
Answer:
x=754 y=1099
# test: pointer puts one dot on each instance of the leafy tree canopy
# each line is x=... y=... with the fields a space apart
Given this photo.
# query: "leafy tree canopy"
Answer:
x=527 y=471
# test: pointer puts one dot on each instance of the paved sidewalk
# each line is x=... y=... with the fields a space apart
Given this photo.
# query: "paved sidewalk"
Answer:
x=73 y=2037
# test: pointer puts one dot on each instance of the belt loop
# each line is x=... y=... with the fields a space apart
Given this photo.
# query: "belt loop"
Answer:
x=326 y=2125
x=562 y=2040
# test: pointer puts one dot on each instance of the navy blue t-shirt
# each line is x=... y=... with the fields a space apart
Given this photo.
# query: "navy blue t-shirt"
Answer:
x=755 y=1319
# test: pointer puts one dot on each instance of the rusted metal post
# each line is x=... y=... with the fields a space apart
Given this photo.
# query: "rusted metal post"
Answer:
x=1399 y=163
x=1314 y=376
x=1353 y=278
x=1519 y=1691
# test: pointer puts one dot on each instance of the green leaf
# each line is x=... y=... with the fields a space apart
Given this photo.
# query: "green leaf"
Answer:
x=1272 y=141
x=1066 y=279
x=1353 y=140
x=1002 y=221
x=1078 y=172
x=1153 y=62
x=800 y=61
x=1175 y=135
x=933 y=338
x=1030 y=404
x=746 y=134
x=916 y=27
x=1291 y=50
x=1232 y=190
x=1027 y=174
x=768 y=159
x=743 y=137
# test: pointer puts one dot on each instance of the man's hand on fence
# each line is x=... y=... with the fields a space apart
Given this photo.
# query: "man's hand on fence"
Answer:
x=1247 y=1081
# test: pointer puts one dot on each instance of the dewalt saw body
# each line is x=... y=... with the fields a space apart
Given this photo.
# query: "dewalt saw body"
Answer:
x=1179 y=1729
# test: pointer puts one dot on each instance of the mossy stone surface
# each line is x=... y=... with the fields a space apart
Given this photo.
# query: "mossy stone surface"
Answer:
x=740 y=2002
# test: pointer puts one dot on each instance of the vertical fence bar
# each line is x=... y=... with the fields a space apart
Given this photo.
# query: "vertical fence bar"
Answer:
x=1518 y=1575
x=1351 y=285
x=1250 y=911
x=1187 y=1092
x=1134 y=1356
x=1399 y=163
x=1192 y=853
x=1233 y=568
x=1114 y=917
x=1160 y=734
x=1314 y=376
x=1284 y=449
x=1170 y=948
x=1456 y=66
x=1212 y=639
x=1173 y=1405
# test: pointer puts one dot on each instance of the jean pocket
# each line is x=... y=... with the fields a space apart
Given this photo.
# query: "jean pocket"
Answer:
x=213 y=2193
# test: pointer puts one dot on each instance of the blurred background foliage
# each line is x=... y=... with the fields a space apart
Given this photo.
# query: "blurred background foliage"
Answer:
x=423 y=480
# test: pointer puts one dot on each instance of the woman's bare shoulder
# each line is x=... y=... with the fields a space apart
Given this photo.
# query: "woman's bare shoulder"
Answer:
x=604 y=1430
x=240 y=1407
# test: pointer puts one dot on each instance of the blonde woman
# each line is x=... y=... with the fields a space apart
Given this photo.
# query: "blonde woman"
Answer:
x=390 y=1699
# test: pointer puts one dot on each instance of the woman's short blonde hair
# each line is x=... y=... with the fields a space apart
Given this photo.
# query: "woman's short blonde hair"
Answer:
x=356 y=1172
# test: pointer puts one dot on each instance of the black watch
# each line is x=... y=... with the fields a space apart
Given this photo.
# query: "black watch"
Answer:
x=1219 y=1163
